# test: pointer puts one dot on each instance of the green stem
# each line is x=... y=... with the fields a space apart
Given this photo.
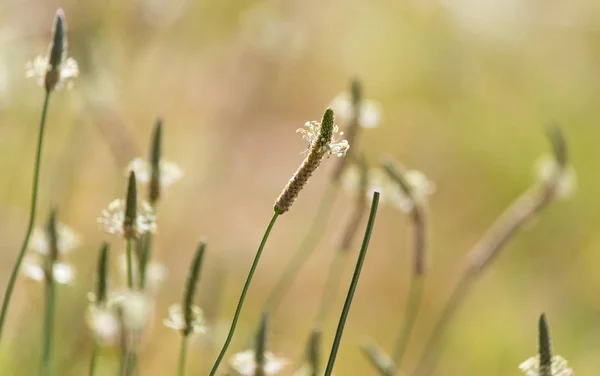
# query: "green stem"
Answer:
x=303 y=252
x=353 y=284
x=93 y=360
x=332 y=285
x=129 y=263
x=48 y=324
x=32 y=214
x=238 y=309
x=145 y=259
x=124 y=360
x=182 y=355
x=412 y=308
x=432 y=349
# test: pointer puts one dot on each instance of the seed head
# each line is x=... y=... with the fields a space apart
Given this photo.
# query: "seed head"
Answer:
x=322 y=142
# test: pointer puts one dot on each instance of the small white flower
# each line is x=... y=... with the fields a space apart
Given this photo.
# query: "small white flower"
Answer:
x=40 y=66
x=546 y=170
x=559 y=367
x=112 y=218
x=369 y=111
x=67 y=240
x=33 y=268
x=390 y=191
x=104 y=324
x=336 y=147
x=176 y=319
x=244 y=363
x=170 y=172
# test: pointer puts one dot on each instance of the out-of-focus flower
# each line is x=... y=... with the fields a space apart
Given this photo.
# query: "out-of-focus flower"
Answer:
x=244 y=363
x=136 y=308
x=67 y=240
x=113 y=217
x=176 y=319
x=369 y=111
x=546 y=169
x=390 y=192
x=559 y=367
x=40 y=66
x=33 y=267
x=170 y=172
x=104 y=324
x=336 y=147
x=55 y=69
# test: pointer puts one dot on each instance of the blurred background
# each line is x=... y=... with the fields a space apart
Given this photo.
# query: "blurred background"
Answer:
x=465 y=89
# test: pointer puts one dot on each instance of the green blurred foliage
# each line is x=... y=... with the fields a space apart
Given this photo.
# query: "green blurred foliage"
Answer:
x=466 y=89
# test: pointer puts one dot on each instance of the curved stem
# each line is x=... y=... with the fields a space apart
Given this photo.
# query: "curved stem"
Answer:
x=48 y=325
x=412 y=308
x=432 y=349
x=182 y=355
x=32 y=214
x=303 y=252
x=238 y=309
x=353 y=284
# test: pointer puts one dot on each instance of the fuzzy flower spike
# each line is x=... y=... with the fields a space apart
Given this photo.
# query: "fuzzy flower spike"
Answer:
x=323 y=142
x=545 y=364
x=55 y=69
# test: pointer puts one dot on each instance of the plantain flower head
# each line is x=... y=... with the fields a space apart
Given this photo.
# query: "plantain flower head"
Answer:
x=55 y=69
x=559 y=367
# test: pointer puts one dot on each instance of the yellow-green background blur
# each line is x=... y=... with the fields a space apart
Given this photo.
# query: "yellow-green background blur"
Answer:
x=466 y=88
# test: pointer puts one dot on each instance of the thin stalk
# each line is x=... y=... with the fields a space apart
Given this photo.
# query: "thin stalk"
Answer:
x=48 y=325
x=353 y=284
x=93 y=360
x=32 y=215
x=303 y=252
x=129 y=263
x=432 y=351
x=332 y=285
x=182 y=355
x=123 y=361
x=238 y=309
x=412 y=308
x=145 y=258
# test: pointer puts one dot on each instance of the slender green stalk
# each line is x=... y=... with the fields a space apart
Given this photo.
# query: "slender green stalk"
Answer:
x=129 y=263
x=182 y=355
x=93 y=360
x=332 y=285
x=238 y=309
x=353 y=284
x=145 y=258
x=432 y=351
x=48 y=324
x=32 y=215
x=303 y=252
x=123 y=361
x=412 y=308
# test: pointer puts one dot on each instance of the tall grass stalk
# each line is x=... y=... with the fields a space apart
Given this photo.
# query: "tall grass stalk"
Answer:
x=183 y=347
x=508 y=224
x=32 y=215
x=48 y=322
x=353 y=284
x=240 y=304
